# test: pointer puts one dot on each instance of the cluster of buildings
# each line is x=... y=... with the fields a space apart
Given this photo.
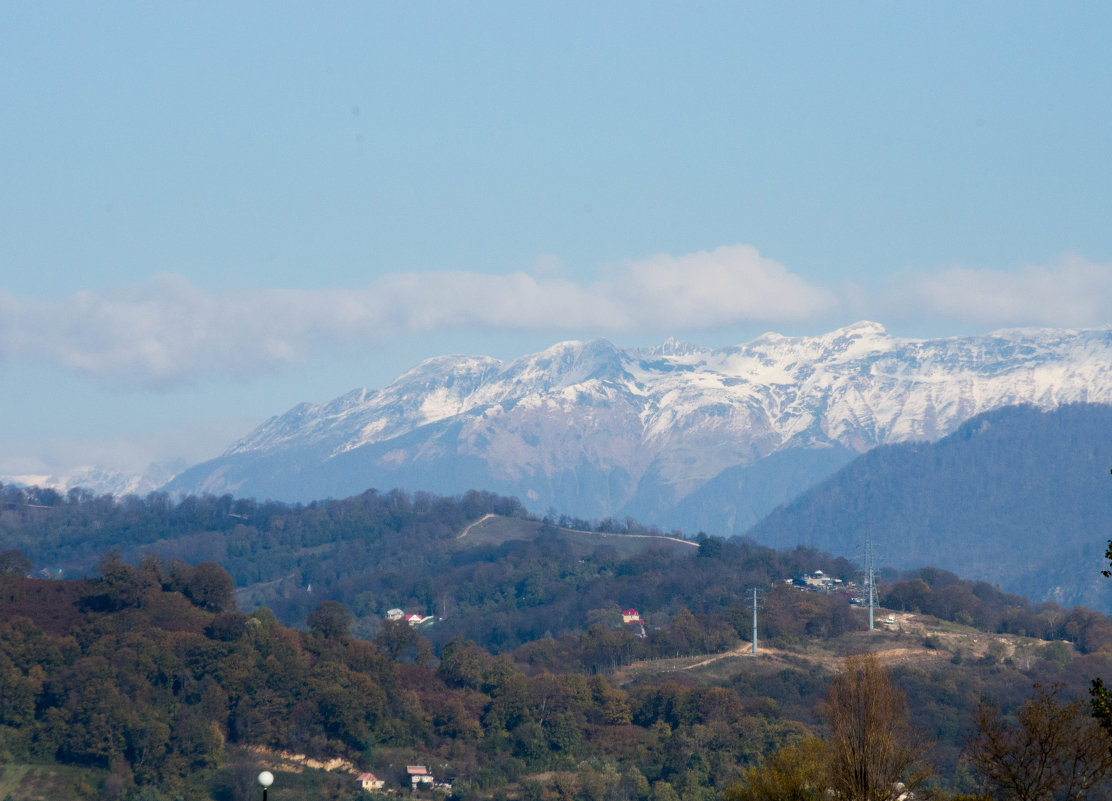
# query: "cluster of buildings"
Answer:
x=820 y=582
x=418 y=775
x=413 y=620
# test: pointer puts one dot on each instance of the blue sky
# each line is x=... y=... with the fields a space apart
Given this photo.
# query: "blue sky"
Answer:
x=211 y=212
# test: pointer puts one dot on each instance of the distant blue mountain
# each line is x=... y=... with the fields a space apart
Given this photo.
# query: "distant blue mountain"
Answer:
x=1018 y=497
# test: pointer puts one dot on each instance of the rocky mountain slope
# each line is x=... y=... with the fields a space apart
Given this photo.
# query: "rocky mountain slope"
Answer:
x=674 y=435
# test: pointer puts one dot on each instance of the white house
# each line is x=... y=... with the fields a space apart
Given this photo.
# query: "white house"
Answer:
x=418 y=775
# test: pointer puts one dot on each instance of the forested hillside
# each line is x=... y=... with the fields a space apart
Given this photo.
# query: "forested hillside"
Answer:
x=1017 y=497
x=213 y=625
x=149 y=682
x=379 y=551
x=536 y=581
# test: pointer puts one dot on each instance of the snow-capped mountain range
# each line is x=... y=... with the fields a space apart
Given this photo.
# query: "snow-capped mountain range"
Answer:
x=99 y=480
x=675 y=435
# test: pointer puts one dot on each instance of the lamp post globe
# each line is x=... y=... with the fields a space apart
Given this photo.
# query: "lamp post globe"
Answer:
x=265 y=779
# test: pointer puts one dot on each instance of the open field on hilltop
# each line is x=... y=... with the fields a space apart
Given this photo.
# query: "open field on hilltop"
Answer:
x=911 y=640
x=495 y=530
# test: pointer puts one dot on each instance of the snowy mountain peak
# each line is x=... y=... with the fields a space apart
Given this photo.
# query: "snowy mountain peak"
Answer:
x=596 y=430
x=671 y=347
x=857 y=339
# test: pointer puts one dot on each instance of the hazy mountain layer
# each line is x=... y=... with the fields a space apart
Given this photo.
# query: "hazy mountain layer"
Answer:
x=1017 y=497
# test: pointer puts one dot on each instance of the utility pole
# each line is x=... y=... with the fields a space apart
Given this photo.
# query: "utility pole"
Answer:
x=755 y=605
x=870 y=576
x=754 y=621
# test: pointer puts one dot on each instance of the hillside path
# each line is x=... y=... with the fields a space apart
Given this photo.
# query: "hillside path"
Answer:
x=470 y=526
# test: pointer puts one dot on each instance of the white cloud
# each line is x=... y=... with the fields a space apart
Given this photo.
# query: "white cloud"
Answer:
x=704 y=290
x=1071 y=293
x=167 y=331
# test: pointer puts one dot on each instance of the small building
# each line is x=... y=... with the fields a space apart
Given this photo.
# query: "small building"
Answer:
x=418 y=775
x=630 y=616
x=418 y=620
x=368 y=781
x=820 y=582
x=394 y=614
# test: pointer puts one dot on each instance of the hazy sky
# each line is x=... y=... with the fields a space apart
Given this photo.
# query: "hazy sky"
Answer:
x=213 y=211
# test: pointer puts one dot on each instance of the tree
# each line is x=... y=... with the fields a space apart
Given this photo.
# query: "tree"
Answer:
x=13 y=562
x=1101 y=696
x=124 y=585
x=227 y=626
x=1054 y=750
x=794 y=773
x=209 y=587
x=330 y=620
x=874 y=754
x=462 y=663
x=395 y=637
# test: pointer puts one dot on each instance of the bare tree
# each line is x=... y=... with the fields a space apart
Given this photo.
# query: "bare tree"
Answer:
x=1054 y=751
x=874 y=753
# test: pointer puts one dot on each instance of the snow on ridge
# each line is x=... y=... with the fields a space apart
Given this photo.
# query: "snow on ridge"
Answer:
x=857 y=385
x=671 y=348
x=97 y=480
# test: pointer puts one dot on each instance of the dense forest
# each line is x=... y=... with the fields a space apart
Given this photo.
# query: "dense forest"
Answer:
x=154 y=669
x=378 y=551
x=148 y=676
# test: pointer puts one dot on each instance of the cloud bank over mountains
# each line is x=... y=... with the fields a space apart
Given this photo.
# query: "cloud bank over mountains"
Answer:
x=168 y=332
x=1072 y=293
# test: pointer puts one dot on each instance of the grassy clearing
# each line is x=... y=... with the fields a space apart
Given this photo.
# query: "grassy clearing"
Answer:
x=11 y=776
x=29 y=782
x=495 y=530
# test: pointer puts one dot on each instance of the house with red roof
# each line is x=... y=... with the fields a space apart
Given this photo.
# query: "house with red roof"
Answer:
x=369 y=781
x=418 y=774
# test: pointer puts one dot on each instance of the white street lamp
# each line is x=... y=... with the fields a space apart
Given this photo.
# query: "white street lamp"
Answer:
x=266 y=778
